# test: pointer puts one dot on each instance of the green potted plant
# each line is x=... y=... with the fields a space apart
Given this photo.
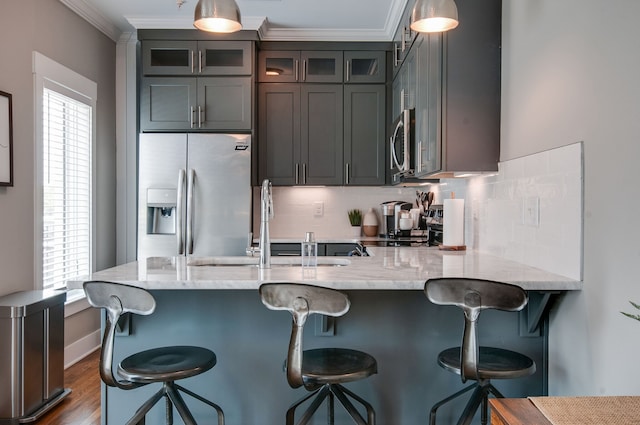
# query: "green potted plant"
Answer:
x=633 y=316
x=355 y=218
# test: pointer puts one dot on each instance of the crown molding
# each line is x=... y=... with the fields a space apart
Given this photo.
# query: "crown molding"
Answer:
x=92 y=15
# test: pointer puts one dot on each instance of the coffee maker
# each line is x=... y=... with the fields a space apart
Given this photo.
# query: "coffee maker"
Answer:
x=390 y=212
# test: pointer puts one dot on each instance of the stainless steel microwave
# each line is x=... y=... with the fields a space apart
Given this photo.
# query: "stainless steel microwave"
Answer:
x=402 y=156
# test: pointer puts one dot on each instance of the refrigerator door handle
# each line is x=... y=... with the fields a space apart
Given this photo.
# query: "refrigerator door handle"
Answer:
x=190 y=207
x=180 y=213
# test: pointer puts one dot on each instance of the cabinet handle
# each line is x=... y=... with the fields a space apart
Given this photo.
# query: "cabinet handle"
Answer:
x=191 y=116
x=304 y=173
x=347 y=172
x=199 y=61
x=419 y=164
x=404 y=39
x=348 y=71
x=396 y=54
x=200 y=110
x=304 y=74
x=297 y=173
x=193 y=61
x=296 y=67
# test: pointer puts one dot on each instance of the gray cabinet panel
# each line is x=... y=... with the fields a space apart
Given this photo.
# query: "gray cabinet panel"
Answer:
x=364 y=134
x=225 y=103
x=321 y=138
x=192 y=57
x=166 y=103
x=365 y=66
x=321 y=66
x=279 y=133
x=279 y=66
x=196 y=103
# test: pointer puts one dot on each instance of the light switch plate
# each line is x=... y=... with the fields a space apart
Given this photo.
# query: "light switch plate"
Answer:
x=531 y=211
x=318 y=209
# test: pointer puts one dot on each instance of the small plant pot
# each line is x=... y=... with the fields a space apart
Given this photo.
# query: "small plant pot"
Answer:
x=356 y=231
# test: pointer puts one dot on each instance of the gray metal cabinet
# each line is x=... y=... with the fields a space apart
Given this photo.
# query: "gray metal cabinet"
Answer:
x=197 y=57
x=300 y=131
x=364 y=134
x=196 y=103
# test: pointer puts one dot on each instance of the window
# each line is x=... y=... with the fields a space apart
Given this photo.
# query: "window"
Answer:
x=65 y=111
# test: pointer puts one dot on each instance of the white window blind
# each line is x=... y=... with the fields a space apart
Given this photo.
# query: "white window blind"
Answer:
x=66 y=172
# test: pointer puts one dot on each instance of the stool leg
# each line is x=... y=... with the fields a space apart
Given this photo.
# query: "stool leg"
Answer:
x=330 y=409
x=432 y=414
x=371 y=414
x=472 y=406
x=205 y=401
x=138 y=418
x=181 y=407
x=168 y=411
x=348 y=405
x=320 y=396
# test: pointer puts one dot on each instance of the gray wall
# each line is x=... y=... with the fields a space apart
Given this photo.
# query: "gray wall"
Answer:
x=570 y=73
x=55 y=31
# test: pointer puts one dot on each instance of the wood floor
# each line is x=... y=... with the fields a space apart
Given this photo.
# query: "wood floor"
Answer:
x=82 y=406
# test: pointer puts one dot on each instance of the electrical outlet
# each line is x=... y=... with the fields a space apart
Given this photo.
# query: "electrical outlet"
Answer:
x=531 y=211
x=318 y=209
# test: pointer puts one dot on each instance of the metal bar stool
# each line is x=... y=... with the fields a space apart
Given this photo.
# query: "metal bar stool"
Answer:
x=471 y=362
x=164 y=364
x=321 y=371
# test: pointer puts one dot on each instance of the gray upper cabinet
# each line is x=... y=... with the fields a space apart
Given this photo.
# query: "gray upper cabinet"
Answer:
x=196 y=85
x=322 y=114
x=365 y=67
x=290 y=66
x=190 y=103
x=300 y=134
x=428 y=50
x=455 y=78
x=364 y=134
x=203 y=57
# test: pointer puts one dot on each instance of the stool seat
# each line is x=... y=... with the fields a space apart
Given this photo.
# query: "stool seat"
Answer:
x=493 y=363
x=336 y=365
x=166 y=364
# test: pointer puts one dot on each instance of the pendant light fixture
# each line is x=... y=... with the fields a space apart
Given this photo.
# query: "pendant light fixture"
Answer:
x=217 y=16
x=434 y=16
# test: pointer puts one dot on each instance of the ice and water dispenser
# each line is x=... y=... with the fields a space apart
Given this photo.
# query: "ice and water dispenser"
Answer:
x=161 y=211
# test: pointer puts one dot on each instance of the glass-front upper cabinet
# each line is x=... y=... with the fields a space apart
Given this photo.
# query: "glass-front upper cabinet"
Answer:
x=167 y=57
x=365 y=67
x=300 y=66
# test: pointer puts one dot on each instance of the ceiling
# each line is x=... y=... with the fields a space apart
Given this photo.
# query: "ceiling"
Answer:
x=301 y=20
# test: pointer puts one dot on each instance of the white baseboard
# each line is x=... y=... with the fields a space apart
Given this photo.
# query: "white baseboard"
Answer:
x=81 y=348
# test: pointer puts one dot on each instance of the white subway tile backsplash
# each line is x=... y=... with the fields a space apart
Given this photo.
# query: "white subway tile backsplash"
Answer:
x=493 y=209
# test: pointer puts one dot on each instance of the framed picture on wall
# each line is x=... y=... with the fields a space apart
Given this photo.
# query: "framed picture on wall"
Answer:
x=6 y=140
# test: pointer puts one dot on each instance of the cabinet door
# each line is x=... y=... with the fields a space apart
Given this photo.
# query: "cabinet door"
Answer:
x=224 y=103
x=160 y=57
x=365 y=67
x=167 y=103
x=225 y=57
x=364 y=134
x=321 y=66
x=428 y=106
x=279 y=133
x=322 y=134
x=278 y=66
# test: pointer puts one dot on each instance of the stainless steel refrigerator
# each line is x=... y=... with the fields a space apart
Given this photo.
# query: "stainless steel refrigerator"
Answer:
x=194 y=194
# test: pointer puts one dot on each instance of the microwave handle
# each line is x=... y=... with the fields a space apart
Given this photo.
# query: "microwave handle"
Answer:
x=394 y=158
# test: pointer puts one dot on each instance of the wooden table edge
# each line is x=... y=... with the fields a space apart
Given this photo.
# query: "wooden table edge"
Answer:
x=516 y=411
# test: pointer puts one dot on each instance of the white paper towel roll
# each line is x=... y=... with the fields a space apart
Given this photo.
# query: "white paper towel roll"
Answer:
x=453 y=222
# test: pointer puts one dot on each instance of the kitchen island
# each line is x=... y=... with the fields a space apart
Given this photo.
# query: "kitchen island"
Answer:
x=218 y=307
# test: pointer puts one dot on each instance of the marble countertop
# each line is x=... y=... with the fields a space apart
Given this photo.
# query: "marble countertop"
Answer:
x=388 y=268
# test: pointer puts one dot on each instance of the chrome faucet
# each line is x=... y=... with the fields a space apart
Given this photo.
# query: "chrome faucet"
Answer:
x=266 y=213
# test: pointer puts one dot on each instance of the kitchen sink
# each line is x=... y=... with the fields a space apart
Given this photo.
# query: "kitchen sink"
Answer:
x=292 y=261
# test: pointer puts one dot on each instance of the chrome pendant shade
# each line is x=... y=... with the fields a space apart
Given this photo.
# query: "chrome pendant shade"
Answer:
x=434 y=16
x=221 y=16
